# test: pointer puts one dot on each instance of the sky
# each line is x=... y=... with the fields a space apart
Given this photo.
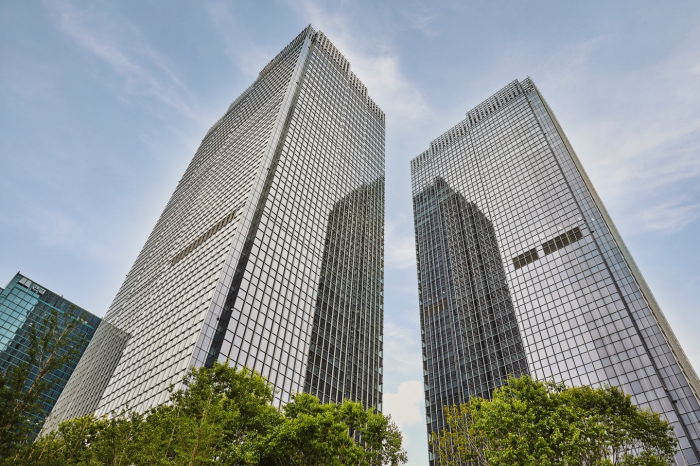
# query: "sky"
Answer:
x=103 y=104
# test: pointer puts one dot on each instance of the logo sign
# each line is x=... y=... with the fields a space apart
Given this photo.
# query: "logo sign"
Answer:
x=38 y=289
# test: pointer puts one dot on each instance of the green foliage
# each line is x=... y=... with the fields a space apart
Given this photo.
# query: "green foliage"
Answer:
x=23 y=388
x=533 y=423
x=332 y=434
x=223 y=415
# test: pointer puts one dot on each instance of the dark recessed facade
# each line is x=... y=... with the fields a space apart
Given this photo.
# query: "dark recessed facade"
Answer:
x=521 y=270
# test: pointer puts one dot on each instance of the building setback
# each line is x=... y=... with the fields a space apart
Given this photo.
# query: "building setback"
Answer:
x=522 y=271
x=269 y=252
x=25 y=304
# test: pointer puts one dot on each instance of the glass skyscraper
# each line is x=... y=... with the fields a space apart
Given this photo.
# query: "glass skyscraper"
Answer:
x=25 y=304
x=522 y=271
x=269 y=252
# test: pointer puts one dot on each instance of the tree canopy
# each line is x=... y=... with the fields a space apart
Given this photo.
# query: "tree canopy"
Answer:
x=223 y=415
x=24 y=387
x=533 y=423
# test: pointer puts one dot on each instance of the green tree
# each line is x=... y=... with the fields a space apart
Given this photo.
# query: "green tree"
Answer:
x=532 y=423
x=332 y=434
x=223 y=415
x=461 y=443
x=23 y=388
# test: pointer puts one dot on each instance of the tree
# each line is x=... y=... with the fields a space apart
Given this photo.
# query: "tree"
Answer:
x=530 y=423
x=23 y=387
x=332 y=434
x=223 y=415
x=460 y=444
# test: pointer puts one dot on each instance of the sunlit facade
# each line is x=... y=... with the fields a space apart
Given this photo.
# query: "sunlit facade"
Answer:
x=522 y=271
x=269 y=253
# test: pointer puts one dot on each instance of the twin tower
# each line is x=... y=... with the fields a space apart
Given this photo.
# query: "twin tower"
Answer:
x=270 y=254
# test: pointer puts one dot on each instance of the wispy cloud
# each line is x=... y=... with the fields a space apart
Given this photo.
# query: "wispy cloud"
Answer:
x=61 y=231
x=658 y=188
x=658 y=164
x=377 y=64
x=637 y=130
x=239 y=43
x=115 y=41
x=671 y=216
x=422 y=22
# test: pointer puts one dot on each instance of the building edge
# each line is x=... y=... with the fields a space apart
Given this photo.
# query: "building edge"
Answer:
x=659 y=317
x=310 y=38
x=248 y=226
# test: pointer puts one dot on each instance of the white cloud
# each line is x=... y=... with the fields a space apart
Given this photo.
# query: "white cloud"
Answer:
x=374 y=62
x=115 y=41
x=402 y=349
x=400 y=248
x=388 y=87
x=406 y=405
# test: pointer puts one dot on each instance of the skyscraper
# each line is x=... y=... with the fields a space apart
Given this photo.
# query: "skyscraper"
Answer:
x=25 y=304
x=522 y=271
x=269 y=252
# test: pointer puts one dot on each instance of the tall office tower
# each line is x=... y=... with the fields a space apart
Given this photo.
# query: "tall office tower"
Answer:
x=270 y=251
x=521 y=271
x=25 y=304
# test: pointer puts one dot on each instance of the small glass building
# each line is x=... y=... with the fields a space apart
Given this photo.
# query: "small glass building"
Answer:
x=23 y=304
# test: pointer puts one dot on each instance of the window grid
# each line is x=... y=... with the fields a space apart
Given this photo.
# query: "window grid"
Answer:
x=581 y=313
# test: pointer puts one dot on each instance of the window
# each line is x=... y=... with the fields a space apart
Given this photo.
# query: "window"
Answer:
x=526 y=258
x=562 y=240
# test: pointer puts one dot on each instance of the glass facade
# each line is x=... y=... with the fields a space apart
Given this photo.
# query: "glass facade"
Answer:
x=345 y=355
x=233 y=268
x=472 y=341
x=521 y=270
x=25 y=304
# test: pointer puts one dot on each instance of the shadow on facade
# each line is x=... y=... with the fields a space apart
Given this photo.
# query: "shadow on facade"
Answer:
x=472 y=339
x=348 y=315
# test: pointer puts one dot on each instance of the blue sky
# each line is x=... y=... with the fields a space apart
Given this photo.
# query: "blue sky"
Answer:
x=102 y=105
